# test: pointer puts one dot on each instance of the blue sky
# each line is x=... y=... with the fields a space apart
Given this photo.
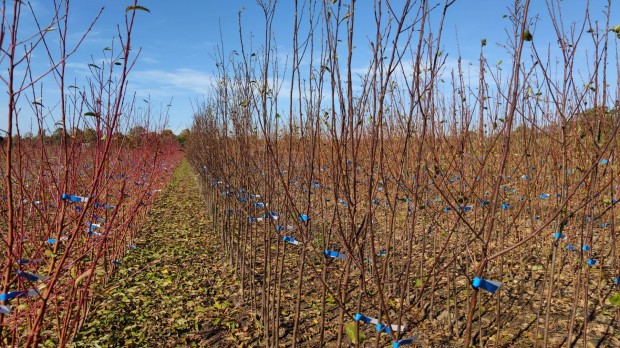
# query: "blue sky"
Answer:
x=178 y=39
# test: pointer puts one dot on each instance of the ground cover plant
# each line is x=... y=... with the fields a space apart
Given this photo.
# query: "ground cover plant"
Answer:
x=413 y=207
x=71 y=202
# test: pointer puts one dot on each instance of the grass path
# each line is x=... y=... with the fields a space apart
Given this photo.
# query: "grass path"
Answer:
x=176 y=288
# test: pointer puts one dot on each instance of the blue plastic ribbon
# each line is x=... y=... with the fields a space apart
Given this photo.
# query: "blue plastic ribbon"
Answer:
x=132 y=247
x=570 y=247
x=104 y=206
x=487 y=285
x=5 y=310
x=544 y=196
x=558 y=235
x=604 y=161
x=403 y=342
x=290 y=240
x=505 y=206
x=11 y=295
x=93 y=233
x=51 y=241
x=365 y=319
x=388 y=329
x=303 y=217
x=72 y=198
x=585 y=248
x=382 y=253
x=592 y=262
x=116 y=263
x=30 y=276
x=335 y=254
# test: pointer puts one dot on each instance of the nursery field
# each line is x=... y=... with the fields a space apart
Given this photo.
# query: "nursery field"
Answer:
x=409 y=203
x=361 y=181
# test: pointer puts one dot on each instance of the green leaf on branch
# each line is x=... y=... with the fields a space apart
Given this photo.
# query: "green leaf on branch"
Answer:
x=616 y=30
x=615 y=299
x=137 y=7
x=527 y=36
x=349 y=328
x=90 y=113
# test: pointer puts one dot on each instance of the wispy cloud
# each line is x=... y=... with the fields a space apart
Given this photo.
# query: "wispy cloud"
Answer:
x=161 y=83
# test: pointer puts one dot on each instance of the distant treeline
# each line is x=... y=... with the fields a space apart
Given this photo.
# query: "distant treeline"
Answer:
x=89 y=135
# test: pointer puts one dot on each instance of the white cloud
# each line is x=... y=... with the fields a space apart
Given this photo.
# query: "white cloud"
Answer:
x=157 y=82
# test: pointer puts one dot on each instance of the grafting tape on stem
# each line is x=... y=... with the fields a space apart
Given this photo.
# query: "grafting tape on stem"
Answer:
x=77 y=199
x=11 y=295
x=490 y=286
x=404 y=342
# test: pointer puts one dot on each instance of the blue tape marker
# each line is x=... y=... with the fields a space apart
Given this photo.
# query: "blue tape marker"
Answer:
x=22 y=261
x=524 y=177
x=484 y=203
x=303 y=217
x=5 y=310
x=280 y=228
x=116 y=263
x=30 y=276
x=11 y=295
x=558 y=235
x=99 y=219
x=334 y=254
x=51 y=241
x=570 y=247
x=404 y=342
x=616 y=280
x=290 y=240
x=382 y=253
x=505 y=206
x=585 y=248
x=132 y=247
x=388 y=329
x=592 y=262
x=259 y=205
x=604 y=161
x=93 y=233
x=77 y=199
x=365 y=319
x=487 y=285
x=544 y=196
x=446 y=209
